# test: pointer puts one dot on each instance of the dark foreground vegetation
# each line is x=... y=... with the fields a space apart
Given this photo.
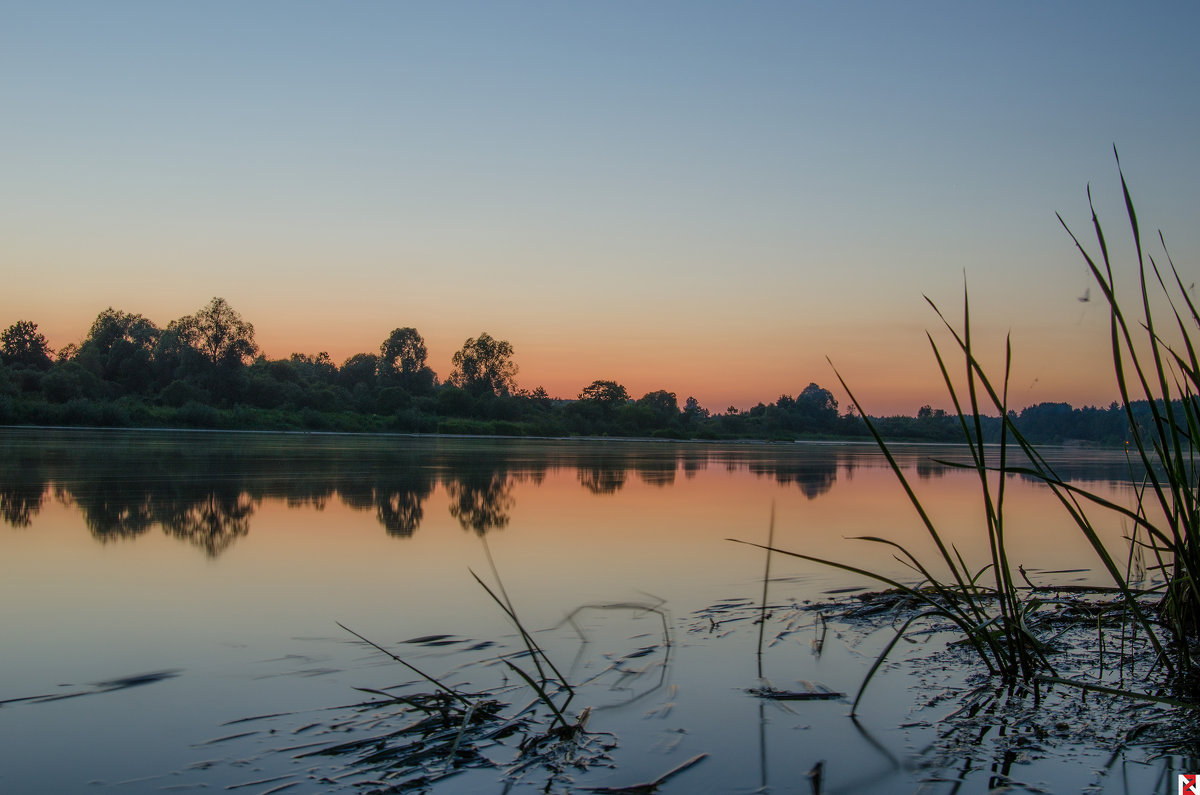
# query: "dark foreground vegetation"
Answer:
x=994 y=606
x=205 y=371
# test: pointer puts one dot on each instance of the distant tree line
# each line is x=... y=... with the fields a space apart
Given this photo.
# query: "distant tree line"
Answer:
x=206 y=370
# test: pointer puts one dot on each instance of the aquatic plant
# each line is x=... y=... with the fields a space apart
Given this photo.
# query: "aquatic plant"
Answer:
x=457 y=724
x=995 y=615
x=1167 y=376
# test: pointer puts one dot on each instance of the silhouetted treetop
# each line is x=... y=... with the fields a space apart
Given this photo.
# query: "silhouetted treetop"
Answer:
x=402 y=352
x=120 y=347
x=402 y=362
x=484 y=365
x=218 y=333
x=21 y=344
x=607 y=393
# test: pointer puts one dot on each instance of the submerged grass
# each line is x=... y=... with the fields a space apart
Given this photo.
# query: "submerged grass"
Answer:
x=458 y=724
x=457 y=728
x=995 y=614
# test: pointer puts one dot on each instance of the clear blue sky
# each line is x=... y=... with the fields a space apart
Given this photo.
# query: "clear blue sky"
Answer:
x=703 y=197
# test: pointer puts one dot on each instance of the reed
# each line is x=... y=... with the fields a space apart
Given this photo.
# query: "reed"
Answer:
x=987 y=606
x=1166 y=375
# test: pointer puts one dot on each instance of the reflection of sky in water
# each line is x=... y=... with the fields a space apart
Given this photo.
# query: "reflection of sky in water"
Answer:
x=282 y=536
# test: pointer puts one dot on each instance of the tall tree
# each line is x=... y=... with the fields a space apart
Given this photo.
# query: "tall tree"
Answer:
x=402 y=352
x=663 y=404
x=693 y=412
x=402 y=362
x=816 y=407
x=608 y=394
x=218 y=333
x=358 y=369
x=23 y=345
x=120 y=347
x=484 y=365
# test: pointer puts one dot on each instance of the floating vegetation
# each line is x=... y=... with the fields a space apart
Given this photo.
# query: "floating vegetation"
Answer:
x=970 y=729
x=516 y=728
x=109 y=686
x=809 y=691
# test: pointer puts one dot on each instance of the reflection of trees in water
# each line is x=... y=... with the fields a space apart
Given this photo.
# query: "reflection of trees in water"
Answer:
x=604 y=478
x=693 y=463
x=657 y=472
x=398 y=503
x=813 y=477
x=357 y=494
x=480 y=501
x=115 y=511
x=928 y=468
x=209 y=518
x=397 y=496
x=204 y=488
x=20 y=500
x=211 y=523
x=314 y=501
x=22 y=487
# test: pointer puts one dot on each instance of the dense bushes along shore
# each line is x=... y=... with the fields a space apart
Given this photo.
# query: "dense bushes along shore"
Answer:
x=205 y=371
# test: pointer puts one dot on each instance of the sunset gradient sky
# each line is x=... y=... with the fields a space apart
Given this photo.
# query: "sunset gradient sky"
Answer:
x=708 y=198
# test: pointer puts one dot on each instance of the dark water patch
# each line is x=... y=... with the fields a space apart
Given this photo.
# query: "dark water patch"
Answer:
x=109 y=686
x=808 y=691
x=433 y=640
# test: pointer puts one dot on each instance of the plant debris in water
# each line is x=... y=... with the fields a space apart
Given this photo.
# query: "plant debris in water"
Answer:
x=969 y=725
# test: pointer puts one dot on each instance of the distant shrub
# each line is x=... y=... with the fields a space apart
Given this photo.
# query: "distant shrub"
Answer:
x=454 y=402
x=392 y=399
x=197 y=415
x=180 y=393
x=79 y=411
x=313 y=419
x=481 y=427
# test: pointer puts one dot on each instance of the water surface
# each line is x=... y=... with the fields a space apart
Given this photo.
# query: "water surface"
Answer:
x=158 y=588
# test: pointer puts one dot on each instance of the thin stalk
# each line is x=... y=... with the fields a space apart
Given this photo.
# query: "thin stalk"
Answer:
x=409 y=666
x=762 y=616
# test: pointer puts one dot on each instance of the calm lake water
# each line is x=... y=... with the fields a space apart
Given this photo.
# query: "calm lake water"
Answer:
x=169 y=602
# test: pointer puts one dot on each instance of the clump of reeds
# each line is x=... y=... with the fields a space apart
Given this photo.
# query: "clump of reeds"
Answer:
x=1166 y=375
x=992 y=611
x=458 y=722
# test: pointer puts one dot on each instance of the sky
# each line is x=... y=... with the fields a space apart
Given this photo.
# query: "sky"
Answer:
x=714 y=199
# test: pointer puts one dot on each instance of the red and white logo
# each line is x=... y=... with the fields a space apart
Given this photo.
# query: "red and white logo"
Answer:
x=1189 y=784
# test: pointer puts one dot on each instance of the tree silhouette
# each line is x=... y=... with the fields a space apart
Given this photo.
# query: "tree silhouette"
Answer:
x=402 y=362
x=608 y=394
x=402 y=352
x=484 y=365
x=218 y=333
x=120 y=347
x=21 y=344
